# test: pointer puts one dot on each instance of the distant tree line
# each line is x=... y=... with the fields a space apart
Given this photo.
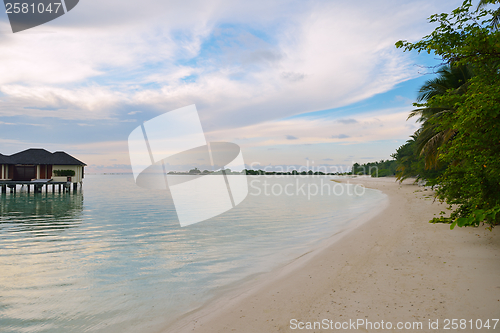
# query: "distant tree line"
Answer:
x=375 y=169
x=289 y=173
x=197 y=171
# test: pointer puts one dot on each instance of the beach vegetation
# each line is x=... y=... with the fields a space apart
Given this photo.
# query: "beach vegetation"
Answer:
x=459 y=114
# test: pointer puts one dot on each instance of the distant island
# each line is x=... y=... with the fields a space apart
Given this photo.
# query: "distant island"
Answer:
x=252 y=172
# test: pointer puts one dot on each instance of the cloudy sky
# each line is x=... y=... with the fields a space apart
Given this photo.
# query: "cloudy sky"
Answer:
x=291 y=82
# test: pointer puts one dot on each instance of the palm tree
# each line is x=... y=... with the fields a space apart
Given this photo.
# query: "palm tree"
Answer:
x=431 y=136
x=496 y=14
x=407 y=160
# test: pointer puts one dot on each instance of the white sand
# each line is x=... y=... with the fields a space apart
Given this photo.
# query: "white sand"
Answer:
x=396 y=267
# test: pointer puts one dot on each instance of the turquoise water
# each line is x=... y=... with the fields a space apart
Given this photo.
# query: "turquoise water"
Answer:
x=113 y=258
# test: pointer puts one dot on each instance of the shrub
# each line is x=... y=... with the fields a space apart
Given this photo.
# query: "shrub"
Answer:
x=62 y=173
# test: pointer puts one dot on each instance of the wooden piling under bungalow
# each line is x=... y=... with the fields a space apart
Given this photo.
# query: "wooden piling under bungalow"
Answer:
x=38 y=185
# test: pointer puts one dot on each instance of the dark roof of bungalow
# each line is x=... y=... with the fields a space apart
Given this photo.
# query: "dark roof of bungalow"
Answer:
x=40 y=156
x=3 y=159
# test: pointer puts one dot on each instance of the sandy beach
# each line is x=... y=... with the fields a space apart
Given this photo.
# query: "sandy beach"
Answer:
x=394 y=268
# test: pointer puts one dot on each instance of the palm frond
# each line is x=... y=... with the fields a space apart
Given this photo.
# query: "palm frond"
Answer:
x=495 y=23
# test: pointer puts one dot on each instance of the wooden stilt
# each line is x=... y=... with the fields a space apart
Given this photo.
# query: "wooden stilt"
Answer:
x=62 y=187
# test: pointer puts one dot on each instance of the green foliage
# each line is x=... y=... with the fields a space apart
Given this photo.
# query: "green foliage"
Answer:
x=375 y=169
x=472 y=180
x=194 y=171
x=411 y=164
x=452 y=80
x=64 y=173
x=495 y=23
x=465 y=139
x=463 y=37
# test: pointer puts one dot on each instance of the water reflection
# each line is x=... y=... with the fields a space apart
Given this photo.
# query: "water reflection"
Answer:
x=40 y=214
x=120 y=262
x=35 y=258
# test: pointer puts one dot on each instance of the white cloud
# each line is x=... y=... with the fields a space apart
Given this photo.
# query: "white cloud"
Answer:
x=387 y=124
x=316 y=55
x=45 y=101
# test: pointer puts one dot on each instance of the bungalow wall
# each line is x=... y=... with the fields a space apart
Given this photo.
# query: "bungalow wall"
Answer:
x=44 y=171
x=6 y=171
x=78 y=169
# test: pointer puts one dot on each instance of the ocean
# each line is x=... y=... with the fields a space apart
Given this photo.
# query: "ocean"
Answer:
x=113 y=257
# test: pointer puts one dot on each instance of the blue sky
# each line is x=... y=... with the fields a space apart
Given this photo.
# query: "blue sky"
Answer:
x=291 y=82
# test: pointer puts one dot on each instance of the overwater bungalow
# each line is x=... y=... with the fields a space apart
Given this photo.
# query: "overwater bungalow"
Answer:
x=40 y=167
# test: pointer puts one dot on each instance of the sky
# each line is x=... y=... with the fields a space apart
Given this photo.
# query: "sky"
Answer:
x=291 y=82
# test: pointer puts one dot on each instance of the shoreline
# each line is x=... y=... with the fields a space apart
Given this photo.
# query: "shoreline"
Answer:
x=393 y=266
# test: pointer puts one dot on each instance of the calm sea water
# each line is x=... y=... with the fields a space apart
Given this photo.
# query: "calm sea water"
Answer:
x=113 y=257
